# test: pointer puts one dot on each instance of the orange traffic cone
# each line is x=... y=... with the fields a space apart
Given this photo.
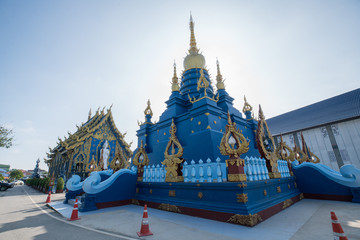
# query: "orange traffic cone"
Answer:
x=337 y=229
x=144 y=231
x=48 y=200
x=74 y=214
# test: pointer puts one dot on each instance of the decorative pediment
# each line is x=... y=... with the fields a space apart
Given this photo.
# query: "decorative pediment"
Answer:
x=233 y=142
x=266 y=146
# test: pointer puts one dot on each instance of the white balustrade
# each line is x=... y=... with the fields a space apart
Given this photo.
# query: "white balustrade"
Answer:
x=283 y=168
x=255 y=169
x=218 y=170
x=209 y=172
x=204 y=171
x=154 y=173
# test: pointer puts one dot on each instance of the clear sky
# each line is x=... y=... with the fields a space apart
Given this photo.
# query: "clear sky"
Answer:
x=58 y=59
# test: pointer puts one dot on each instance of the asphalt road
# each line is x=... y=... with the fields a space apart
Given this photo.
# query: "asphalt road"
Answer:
x=24 y=215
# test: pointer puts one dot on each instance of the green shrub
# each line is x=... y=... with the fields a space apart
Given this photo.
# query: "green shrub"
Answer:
x=60 y=184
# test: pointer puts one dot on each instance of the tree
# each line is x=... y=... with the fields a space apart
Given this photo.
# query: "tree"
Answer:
x=1 y=177
x=6 y=137
x=16 y=174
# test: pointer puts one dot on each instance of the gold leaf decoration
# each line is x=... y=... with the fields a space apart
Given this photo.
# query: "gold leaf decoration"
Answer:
x=169 y=208
x=287 y=203
x=247 y=220
x=173 y=158
x=243 y=197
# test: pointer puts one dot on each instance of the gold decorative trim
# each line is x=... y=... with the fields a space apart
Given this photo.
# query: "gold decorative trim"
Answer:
x=237 y=177
x=310 y=156
x=278 y=189
x=208 y=127
x=150 y=191
x=172 y=193
x=284 y=152
x=295 y=185
x=265 y=192
x=207 y=114
x=200 y=195
x=301 y=196
x=247 y=220
x=242 y=185
x=288 y=186
x=287 y=203
x=169 y=208
x=198 y=184
x=274 y=175
x=243 y=197
x=199 y=123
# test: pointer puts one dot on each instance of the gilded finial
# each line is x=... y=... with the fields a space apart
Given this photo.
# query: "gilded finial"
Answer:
x=247 y=107
x=193 y=48
x=110 y=107
x=89 y=114
x=202 y=82
x=175 y=81
x=261 y=114
x=148 y=110
x=219 y=78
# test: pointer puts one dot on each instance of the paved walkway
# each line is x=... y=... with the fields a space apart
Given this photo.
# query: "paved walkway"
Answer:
x=307 y=219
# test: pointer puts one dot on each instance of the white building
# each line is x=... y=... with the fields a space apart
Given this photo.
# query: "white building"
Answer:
x=331 y=129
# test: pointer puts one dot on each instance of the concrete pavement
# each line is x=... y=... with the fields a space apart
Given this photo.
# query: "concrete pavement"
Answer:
x=307 y=219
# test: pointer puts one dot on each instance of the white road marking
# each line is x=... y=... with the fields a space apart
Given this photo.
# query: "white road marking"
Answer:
x=80 y=226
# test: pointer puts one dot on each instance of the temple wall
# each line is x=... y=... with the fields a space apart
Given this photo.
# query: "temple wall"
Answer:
x=335 y=144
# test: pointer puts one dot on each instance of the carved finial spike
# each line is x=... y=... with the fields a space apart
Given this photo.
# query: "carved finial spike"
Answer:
x=193 y=49
x=89 y=114
x=219 y=78
x=261 y=114
x=175 y=80
x=148 y=110
x=247 y=107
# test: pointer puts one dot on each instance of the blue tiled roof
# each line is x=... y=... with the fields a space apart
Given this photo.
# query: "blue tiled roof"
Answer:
x=338 y=108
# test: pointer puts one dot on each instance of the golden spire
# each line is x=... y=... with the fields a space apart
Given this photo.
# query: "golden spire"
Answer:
x=219 y=78
x=247 y=107
x=89 y=114
x=175 y=81
x=193 y=48
x=148 y=110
